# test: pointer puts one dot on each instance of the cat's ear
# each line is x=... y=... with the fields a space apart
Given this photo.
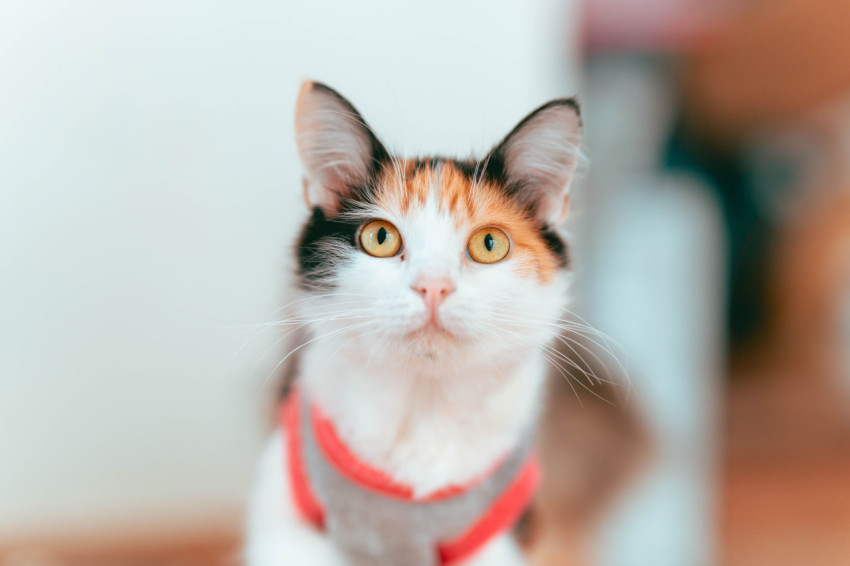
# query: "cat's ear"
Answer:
x=538 y=158
x=338 y=149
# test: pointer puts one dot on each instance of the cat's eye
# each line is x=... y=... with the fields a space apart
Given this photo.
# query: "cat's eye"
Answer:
x=489 y=245
x=380 y=239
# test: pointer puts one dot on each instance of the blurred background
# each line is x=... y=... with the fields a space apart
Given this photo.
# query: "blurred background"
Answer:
x=150 y=190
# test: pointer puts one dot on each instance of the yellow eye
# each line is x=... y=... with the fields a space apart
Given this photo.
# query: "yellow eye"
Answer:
x=489 y=245
x=380 y=239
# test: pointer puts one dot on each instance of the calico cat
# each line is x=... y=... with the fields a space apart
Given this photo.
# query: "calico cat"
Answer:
x=430 y=290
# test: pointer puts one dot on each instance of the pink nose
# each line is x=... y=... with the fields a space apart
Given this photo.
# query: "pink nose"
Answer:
x=433 y=290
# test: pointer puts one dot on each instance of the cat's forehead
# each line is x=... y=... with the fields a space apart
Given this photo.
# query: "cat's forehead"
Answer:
x=455 y=188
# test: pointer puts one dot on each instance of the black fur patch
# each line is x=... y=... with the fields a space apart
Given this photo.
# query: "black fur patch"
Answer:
x=467 y=167
x=319 y=233
x=556 y=245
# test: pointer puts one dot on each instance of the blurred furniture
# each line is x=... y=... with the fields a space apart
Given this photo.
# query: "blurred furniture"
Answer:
x=812 y=290
x=650 y=271
x=785 y=495
x=653 y=267
x=773 y=61
x=772 y=90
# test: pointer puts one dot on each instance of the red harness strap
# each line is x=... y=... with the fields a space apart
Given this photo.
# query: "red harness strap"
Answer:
x=305 y=500
x=501 y=515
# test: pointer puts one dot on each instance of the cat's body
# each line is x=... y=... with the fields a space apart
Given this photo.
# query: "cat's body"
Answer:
x=431 y=289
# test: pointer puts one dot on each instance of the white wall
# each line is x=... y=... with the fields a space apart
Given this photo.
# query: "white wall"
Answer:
x=148 y=192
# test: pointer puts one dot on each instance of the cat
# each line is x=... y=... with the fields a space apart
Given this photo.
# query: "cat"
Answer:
x=429 y=291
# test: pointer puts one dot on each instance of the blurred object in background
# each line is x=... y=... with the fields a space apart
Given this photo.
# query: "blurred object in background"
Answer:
x=757 y=100
x=812 y=288
x=651 y=272
x=766 y=113
x=844 y=344
x=768 y=72
x=844 y=347
x=653 y=26
x=773 y=62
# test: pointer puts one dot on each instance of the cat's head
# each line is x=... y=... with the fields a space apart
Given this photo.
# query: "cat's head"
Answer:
x=428 y=259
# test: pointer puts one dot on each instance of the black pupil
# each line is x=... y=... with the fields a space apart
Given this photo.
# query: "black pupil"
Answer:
x=489 y=242
x=382 y=235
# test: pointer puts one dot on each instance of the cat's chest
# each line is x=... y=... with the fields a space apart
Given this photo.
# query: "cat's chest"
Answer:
x=423 y=433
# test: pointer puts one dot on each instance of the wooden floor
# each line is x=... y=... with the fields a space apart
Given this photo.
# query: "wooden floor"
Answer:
x=786 y=491
x=788 y=513
x=212 y=547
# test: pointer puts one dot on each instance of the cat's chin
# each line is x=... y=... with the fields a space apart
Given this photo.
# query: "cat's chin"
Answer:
x=433 y=340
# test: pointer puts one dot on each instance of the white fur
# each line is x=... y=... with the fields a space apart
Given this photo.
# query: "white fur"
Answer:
x=275 y=534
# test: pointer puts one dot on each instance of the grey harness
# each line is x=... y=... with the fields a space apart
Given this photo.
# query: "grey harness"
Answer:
x=379 y=527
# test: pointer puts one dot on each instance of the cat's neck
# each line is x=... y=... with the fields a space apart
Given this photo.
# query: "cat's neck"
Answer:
x=426 y=430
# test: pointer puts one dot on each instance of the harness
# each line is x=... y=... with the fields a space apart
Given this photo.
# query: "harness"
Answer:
x=377 y=521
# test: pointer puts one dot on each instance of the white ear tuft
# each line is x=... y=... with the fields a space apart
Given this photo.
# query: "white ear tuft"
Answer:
x=538 y=159
x=338 y=149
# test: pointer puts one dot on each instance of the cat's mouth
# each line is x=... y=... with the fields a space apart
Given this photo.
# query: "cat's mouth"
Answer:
x=433 y=328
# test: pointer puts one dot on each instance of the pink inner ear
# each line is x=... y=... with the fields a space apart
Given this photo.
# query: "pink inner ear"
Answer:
x=334 y=143
x=542 y=155
x=305 y=186
x=565 y=208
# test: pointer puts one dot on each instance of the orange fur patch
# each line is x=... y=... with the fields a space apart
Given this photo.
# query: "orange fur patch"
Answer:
x=405 y=186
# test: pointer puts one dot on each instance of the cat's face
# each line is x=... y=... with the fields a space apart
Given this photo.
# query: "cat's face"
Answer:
x=430 y=259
